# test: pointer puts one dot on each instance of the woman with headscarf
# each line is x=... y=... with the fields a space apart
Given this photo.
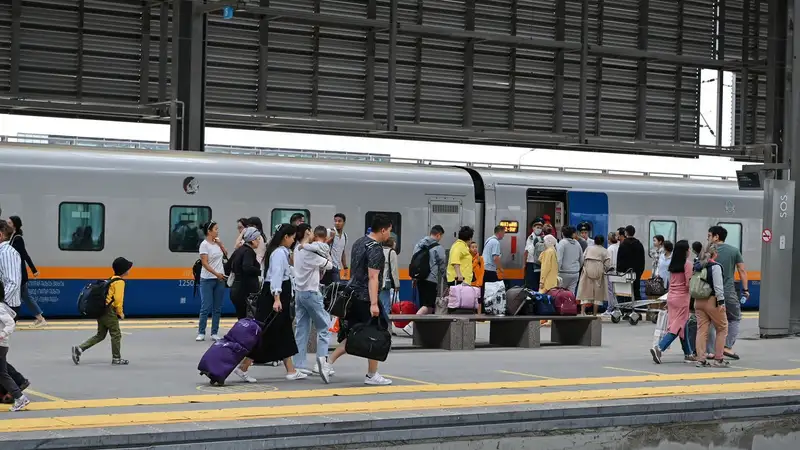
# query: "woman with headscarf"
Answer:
x=277 y=339
x=549 y=261
x=245 y=271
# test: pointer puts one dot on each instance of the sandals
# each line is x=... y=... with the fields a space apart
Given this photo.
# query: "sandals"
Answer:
x=713 y=363
x=730 y=355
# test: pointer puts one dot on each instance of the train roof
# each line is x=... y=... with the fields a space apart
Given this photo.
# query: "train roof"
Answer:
x=143 y=160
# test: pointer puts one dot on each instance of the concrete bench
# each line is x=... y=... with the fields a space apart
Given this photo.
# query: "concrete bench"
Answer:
x=442 y=331
x=446 y=332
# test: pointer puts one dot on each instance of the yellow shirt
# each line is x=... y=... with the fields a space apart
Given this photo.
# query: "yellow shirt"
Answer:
x=459 y=254
x=116 y=295
x=549 y=277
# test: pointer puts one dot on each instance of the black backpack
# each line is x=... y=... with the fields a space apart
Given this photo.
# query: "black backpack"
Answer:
x=196 y=269
x=420 y=267
x=92 y=301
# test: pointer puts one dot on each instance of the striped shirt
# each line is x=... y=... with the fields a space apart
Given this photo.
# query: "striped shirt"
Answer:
x=10 y=273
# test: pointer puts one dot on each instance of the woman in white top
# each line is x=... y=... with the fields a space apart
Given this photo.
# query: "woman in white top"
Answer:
x=664 y=258
x=391 y=277
x=212 y=280
x=277 y=342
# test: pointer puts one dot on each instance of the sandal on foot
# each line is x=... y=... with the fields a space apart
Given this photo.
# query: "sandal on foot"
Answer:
x=119 y=362
x=731 y=355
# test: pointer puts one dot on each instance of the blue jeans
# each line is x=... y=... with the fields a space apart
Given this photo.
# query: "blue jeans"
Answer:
x=33 y=307
x=667 y=340
x=385 y=297
x=212 y=291
x=310 y=308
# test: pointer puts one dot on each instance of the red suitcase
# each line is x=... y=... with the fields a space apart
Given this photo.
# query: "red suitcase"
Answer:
x=564 y=302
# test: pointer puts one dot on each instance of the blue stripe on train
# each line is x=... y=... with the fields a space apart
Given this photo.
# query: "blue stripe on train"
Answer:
x=58 y=298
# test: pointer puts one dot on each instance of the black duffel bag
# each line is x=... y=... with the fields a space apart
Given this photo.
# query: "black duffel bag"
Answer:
x=370 y=340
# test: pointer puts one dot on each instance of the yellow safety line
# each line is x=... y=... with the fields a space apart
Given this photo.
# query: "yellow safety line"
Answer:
x=372 y=407
x=45 y=396
x=523 y=374
x=634 y=371
x=411 y=380
x=393 y=390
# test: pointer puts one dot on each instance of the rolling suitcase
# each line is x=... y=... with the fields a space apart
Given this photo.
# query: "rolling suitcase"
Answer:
x=519 y=301
x=564 y=302
x=224 y=356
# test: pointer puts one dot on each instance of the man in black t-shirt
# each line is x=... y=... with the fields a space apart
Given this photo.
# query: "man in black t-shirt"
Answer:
x=366 y=270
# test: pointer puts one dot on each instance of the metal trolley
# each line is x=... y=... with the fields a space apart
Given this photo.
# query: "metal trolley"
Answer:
x=634 y=310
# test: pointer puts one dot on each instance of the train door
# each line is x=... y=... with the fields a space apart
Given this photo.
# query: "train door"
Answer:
x=547 y=205
x=589 y=208
x=447 y=212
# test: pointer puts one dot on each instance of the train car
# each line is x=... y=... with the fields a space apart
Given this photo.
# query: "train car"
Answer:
x=83 y=207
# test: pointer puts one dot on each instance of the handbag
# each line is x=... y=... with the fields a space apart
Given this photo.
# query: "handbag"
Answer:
x=654 y=287
x=661 y=327
x=337 y=298
x=370 y=340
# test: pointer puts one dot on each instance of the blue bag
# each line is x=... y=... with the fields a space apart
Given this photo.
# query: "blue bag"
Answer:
x=543 y=305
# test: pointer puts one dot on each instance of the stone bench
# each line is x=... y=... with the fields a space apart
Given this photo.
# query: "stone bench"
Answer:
x=457 y=332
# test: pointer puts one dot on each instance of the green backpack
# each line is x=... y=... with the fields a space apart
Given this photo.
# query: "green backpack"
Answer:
x=699 y=287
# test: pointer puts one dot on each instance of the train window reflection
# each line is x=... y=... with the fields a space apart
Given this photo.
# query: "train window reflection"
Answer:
x=185 y=234
x=81 y=226
x=281 y=216
x=666 y=228
x=734 y=234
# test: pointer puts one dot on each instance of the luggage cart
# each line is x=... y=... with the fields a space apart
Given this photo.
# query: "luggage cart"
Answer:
x=634 y=310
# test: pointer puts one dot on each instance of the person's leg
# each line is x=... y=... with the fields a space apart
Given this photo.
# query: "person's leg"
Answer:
x=16 y=376
x=321 y=321
x=216 y=312
x=206 y=301
x=302 y=328
x=112 y=323
x=720 y=321
x=33 y=307
x=102 y=331
x=5 y=379
x=733 y=311
x=666 y=341
x=385 y=297
x=703 y=322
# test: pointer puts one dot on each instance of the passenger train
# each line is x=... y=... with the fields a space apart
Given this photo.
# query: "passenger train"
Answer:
x=83 y=207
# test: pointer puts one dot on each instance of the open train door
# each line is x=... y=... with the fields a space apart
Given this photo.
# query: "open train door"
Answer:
x=591 y=208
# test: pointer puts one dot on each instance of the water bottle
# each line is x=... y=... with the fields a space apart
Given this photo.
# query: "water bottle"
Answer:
x=743 y=300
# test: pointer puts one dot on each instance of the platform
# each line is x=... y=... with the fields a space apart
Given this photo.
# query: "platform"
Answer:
x=160 y=399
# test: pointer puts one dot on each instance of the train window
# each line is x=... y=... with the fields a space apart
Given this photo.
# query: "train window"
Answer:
x=81 y=226
x=666 y=228
x=734 y=234
x=185 y=234
x=281 y=216
x=397 y=225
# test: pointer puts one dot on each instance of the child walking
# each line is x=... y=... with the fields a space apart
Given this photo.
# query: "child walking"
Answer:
x=109 y=321
x=6 y=328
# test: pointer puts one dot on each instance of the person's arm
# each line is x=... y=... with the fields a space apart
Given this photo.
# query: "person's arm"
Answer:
x=546 y=262
x=455 y=261
x=239 y=240
x=118 y=297
x=8 y=325
x=560 y=254
x=23 y=253
x=719 y=286
x=395 y=269
x=742 y=274
x=375 y=262
x=344 y=253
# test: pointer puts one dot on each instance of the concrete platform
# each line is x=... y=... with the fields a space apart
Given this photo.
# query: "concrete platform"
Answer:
x=161 y=401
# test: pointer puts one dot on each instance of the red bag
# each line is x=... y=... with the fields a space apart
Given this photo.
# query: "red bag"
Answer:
x=564 y=302
x=405 y=307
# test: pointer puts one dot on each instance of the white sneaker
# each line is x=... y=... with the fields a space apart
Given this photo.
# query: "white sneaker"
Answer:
x=200 y=338
x=40 y=324
x=324 y=369
x=330 y=367
x=297 y=375
x=215 y=338
x=20 y=403
x=409 y=329
x=244 y=376
x=377 y=380
x=304 y=370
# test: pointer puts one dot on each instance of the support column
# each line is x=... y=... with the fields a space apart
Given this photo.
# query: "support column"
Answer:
x=187 y=116
x=791 y=141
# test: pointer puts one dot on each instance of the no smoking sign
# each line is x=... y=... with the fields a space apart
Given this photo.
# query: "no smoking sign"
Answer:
x=766 y=235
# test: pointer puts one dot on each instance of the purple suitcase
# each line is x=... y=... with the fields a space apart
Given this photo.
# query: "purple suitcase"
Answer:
x=225 y=355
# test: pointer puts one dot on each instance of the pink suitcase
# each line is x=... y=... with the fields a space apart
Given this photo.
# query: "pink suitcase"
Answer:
x=463 y=297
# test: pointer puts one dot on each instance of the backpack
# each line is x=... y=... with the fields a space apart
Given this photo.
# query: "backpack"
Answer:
x=700 y=285
x=92 y=300
x=196 y=269
x=420 y=267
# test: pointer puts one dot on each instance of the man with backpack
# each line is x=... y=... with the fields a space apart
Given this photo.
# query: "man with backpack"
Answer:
x=428 y=265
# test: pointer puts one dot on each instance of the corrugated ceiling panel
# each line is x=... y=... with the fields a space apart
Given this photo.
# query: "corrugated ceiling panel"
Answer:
x=755 y=30
x=5 y=45
x=155 y=54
